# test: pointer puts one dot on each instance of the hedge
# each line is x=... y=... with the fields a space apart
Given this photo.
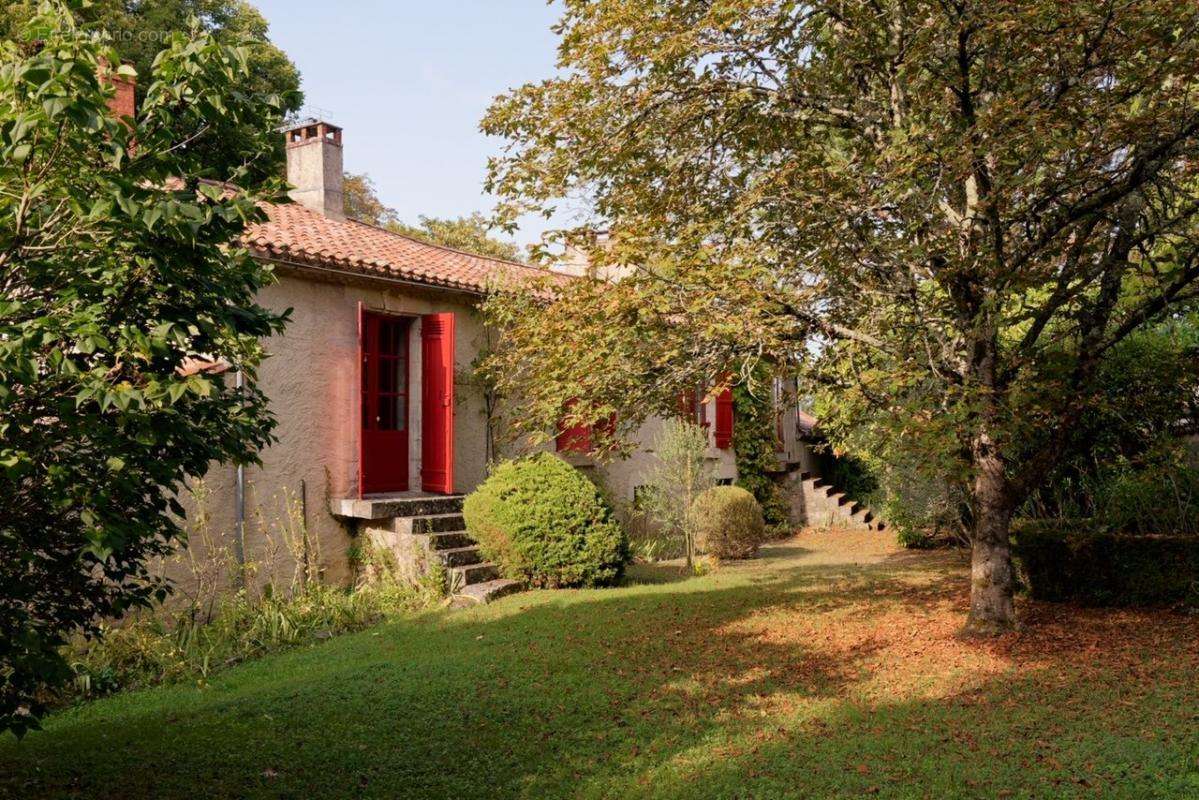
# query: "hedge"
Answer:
x=1070 y=560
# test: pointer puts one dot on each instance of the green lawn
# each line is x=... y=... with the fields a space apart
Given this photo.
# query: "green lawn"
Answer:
x=827 y=668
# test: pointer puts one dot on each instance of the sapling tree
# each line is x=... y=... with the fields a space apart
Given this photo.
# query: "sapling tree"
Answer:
x=123 y=290
x=681 y=473
x=947 y=211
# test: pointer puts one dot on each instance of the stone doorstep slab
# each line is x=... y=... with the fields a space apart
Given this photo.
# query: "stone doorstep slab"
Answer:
x=406 y=504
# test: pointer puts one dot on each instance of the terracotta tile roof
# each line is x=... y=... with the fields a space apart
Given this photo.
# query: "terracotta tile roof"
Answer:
x=296 y=234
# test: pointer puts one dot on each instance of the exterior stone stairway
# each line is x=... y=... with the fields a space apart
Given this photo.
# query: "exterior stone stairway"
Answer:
x=818 y=504
x=419 y=530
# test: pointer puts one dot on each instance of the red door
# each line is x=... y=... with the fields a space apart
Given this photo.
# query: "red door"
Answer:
x=384 y=457
x=437 y=403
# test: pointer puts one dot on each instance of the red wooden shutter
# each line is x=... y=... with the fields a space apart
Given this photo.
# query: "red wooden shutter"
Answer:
x=362 y=397
x=573 y=439
x=691 y=407
x=724 y=419
x=437 y=402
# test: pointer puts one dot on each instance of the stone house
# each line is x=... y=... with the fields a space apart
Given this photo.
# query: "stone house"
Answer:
x=382 y=426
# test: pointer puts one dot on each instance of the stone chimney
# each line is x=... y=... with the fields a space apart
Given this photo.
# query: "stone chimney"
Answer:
x=314 y=167
x=576 y=261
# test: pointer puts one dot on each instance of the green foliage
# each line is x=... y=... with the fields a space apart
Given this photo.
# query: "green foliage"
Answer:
x=1123 y=463
x=362 y=201
x=728 y=522
x=545 y=523
x=1075 y=560
x=923 y=507
x=139 y=31
x=914 y=538
x=1127 y=445
x=920 y=473
x=854 y=477
x=947 y=213
x=754 y=442
x=119 y=267
x=1153 y=499
x=681 y=472
x=471 y=233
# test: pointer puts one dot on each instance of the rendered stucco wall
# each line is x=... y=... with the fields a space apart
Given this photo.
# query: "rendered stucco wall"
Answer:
x=312 y=380
x=623 y=476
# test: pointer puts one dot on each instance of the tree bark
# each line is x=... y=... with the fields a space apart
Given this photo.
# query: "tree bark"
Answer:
x=992 y=580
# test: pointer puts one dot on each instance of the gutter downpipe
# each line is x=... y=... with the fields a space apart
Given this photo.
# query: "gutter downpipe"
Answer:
x=239 y=510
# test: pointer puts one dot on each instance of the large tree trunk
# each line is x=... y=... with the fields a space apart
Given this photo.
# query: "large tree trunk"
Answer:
x=991 y=576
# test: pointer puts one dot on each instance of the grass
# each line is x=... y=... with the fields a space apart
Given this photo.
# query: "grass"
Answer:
x=830 y=667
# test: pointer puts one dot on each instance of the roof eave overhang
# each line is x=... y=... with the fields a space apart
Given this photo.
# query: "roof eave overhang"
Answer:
x=312 y=266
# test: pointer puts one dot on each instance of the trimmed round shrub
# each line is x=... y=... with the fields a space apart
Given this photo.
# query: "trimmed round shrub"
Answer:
x=728 y=522
x=541 y=521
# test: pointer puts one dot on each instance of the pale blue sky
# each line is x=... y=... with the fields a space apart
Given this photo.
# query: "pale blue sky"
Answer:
x=409 y=81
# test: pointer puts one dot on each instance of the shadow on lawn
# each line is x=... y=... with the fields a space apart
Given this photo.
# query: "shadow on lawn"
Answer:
x=653 y=691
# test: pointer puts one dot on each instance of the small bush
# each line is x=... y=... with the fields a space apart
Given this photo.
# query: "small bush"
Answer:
x=1072 y=560
x=728 y=522
x=543 y=522
x=915 y=538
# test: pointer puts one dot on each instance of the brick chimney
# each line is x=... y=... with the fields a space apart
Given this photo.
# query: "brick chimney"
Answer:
x=124 y=103
x=314 y=167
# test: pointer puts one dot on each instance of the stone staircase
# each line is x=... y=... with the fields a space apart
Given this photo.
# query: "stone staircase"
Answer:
x=818 y=504
x=420 y=530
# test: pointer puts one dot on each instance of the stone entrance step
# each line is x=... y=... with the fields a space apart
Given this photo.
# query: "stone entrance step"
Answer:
x=450 y=540
x=487 y=591
x=418 y=527
x=460 y=556
x=816 y=502
x=470 y=574
x=439 y=523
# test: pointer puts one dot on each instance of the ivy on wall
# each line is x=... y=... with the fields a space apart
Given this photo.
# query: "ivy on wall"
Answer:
x=754 y=448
